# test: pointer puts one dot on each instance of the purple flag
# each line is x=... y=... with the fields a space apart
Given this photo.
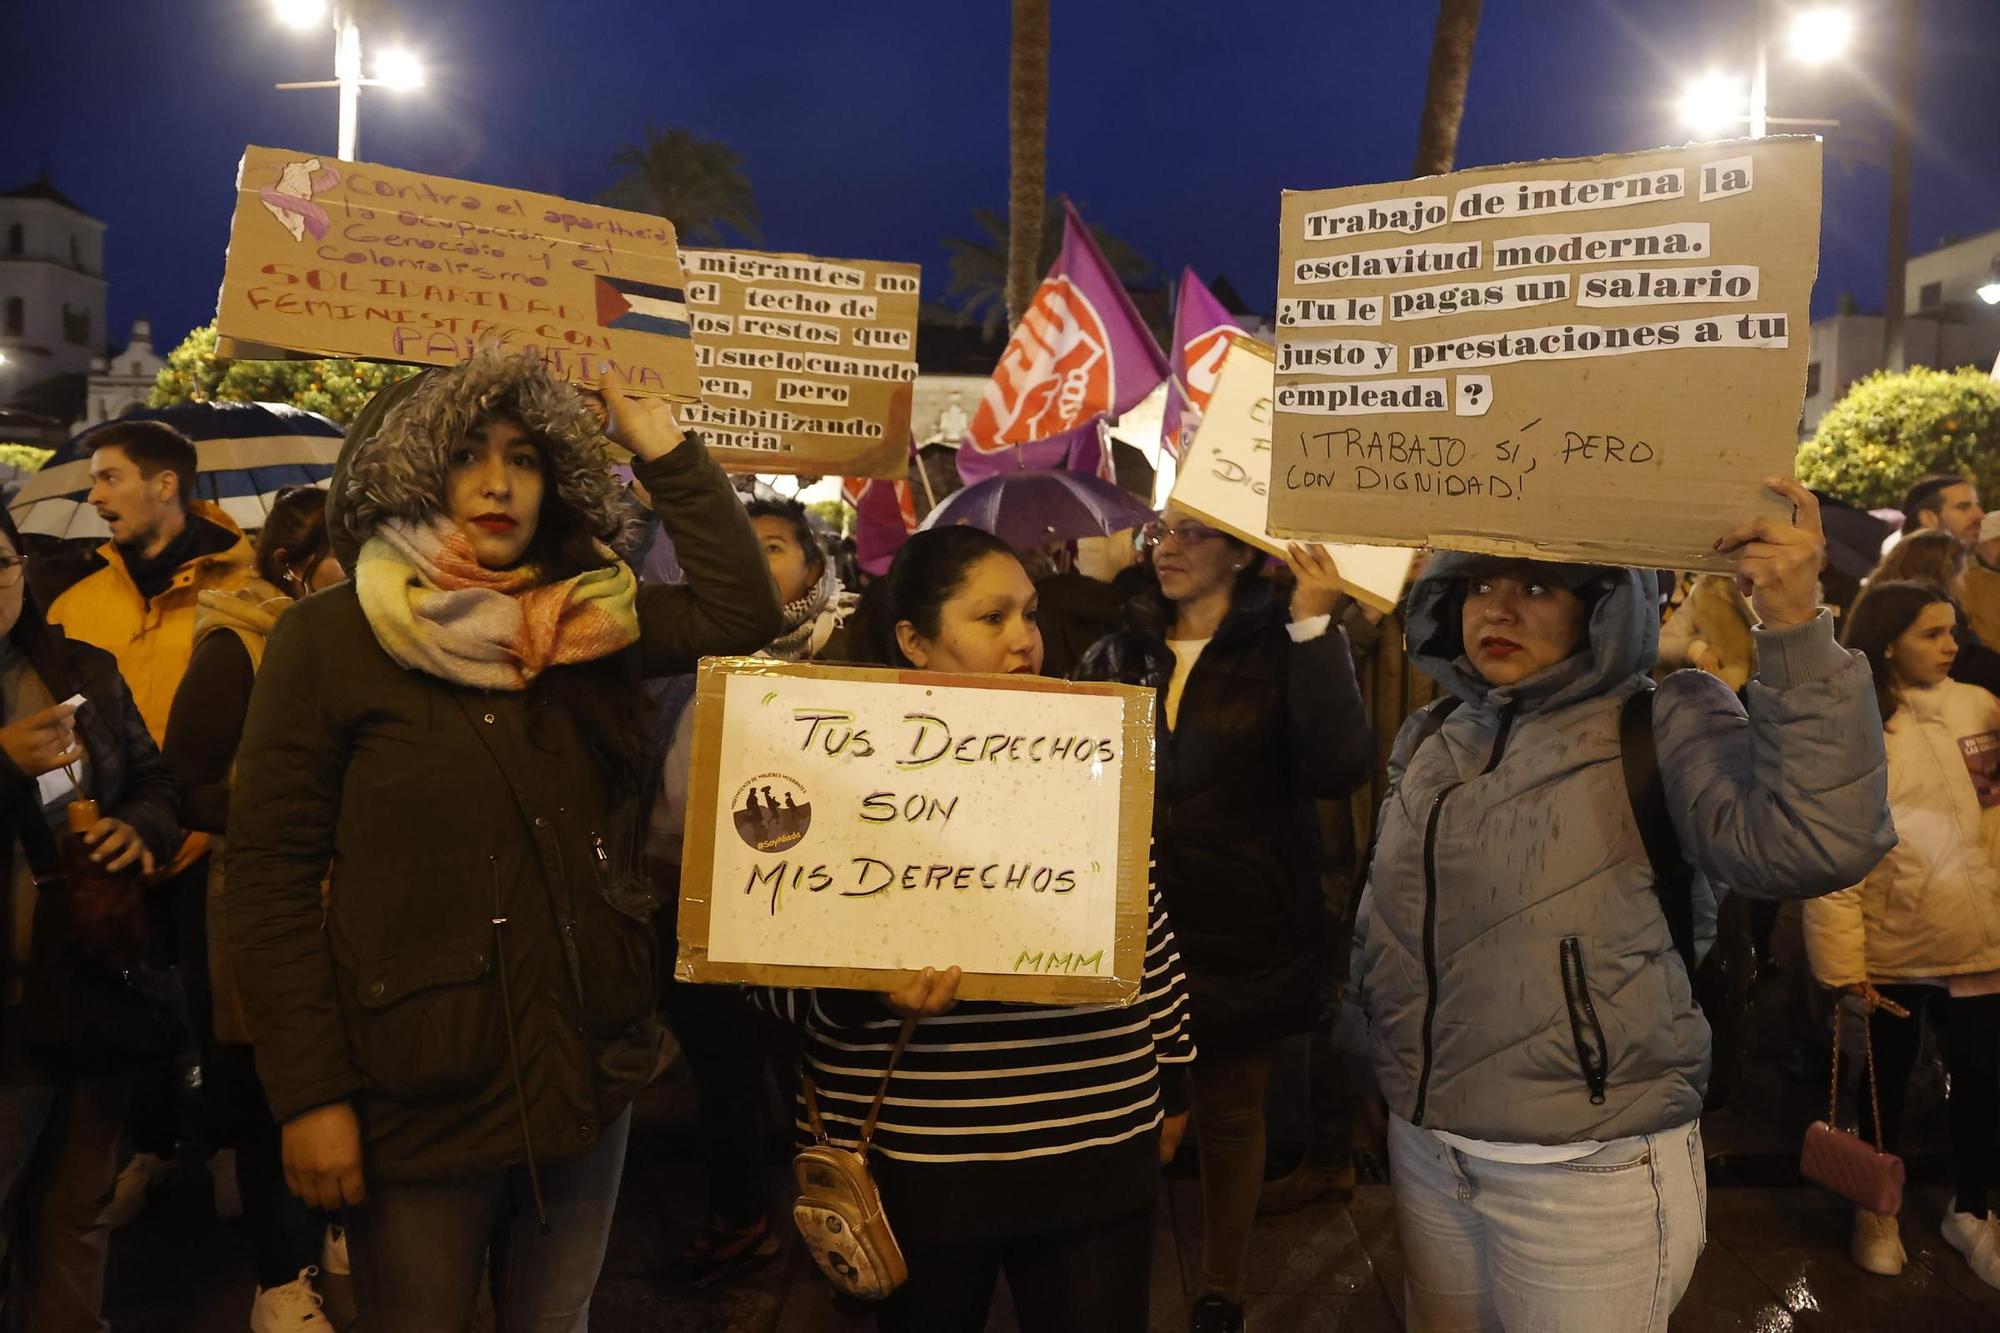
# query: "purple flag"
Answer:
x=1080 y=350
x=1202 y=330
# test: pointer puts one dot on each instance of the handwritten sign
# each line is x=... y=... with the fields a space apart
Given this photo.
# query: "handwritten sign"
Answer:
x=1223 y=474
x=1595 y=359
x=848 y=826
x=330 y=258
x=807 y=365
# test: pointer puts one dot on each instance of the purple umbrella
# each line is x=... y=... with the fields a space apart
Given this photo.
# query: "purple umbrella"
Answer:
x=1030 y=509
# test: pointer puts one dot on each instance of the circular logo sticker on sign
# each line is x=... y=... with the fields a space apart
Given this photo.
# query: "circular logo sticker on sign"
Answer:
x=772 y=812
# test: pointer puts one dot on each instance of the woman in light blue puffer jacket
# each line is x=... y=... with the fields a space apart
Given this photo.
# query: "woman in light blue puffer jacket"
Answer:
x=1533 y=1027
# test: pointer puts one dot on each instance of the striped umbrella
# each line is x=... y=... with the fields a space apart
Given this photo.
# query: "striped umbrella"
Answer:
x=246 y=453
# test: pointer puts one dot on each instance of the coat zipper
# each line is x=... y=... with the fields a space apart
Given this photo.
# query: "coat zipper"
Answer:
x=514 y=1050
x=1431 y=911
x=1593 y=1053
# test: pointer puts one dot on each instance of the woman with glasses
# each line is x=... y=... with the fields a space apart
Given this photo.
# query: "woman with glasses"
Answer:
x=59 y=1127
x=204 y=727
x=1259 y=715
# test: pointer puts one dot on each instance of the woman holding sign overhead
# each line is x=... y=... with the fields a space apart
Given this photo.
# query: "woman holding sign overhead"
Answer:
x=1259 y=714
x=453 y=1051
x=1014 y=1138
x=1523 y=959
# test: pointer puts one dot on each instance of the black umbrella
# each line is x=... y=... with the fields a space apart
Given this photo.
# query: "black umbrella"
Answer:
x=1854 y=536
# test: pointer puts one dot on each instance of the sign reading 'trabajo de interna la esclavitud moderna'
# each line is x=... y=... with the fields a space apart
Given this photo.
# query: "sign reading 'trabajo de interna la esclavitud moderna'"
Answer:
x=1594 y=359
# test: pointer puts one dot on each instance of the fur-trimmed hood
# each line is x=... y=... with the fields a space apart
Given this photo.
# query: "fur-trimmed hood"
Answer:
x=394 y=462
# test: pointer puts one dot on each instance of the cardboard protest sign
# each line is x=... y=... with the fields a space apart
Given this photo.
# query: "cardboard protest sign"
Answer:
x=806 y=364
x=330 y=258
x=1596 y=359
x=848 y=826
x=1222 y=477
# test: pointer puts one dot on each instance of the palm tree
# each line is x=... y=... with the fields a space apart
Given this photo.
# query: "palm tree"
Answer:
x=982 y=270
x=695 y=183
x=1028 y=143
x=1444 y=98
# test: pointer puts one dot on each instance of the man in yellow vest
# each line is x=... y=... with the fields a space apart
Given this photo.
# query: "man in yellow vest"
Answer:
x=165 y=550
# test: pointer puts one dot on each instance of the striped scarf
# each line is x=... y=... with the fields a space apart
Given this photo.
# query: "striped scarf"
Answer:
x=435 y=609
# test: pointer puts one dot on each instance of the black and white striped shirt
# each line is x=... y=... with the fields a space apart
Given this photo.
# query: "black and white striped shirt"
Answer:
x=994 y=1105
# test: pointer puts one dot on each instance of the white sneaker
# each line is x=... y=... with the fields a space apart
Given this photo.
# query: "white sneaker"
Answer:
x=1877 y=1245
x=333 y=1252
x=222 y=1171
x=128 y=1197
x=1978 y=1239
x=290 y=1308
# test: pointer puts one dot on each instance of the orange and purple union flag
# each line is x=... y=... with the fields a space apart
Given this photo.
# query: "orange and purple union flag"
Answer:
x=1080 y=350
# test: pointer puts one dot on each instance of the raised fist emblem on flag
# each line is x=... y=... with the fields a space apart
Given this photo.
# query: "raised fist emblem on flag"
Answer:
x=1056 y=371
x=1204 y=364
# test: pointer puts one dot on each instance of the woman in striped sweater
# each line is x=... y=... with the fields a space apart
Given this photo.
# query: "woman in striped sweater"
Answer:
x=1015 y=1138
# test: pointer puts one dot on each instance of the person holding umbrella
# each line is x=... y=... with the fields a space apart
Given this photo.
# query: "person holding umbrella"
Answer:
x=1259 y=715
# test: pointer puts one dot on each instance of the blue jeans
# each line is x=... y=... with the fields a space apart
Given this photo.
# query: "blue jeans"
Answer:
x=1605 y=1242
x=418 y=1251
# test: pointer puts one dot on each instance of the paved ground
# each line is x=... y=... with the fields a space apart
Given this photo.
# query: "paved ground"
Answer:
x=1776 y=1258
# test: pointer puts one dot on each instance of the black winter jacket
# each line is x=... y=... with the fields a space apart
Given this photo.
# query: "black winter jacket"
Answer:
x=1266 y=727
x=126 y=779
x=488 y=954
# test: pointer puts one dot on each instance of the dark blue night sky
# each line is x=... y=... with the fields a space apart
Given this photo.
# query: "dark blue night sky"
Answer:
x=873 y=129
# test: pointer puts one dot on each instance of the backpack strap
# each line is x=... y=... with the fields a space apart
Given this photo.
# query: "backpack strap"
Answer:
x=1428 y=724
x=1433 y=719
x=1673 y=877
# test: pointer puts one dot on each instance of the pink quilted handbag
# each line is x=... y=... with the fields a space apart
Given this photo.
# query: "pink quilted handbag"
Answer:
x=1850 y=1166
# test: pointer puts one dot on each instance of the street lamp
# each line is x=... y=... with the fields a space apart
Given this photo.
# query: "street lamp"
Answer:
x=1713 y=103
x=1820 y=34
x=397 y=69
x=1989 y=291
x=1815 y=35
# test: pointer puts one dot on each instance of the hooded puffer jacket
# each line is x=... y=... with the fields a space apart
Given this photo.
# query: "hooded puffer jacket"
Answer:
x=482 y=987
x=1932 y=907
x=1513 y=961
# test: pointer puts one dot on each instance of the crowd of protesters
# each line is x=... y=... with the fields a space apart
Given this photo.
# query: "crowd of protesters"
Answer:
x=402 y=790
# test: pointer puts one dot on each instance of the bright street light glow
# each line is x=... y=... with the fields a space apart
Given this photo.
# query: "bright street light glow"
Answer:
x=400 y=69
x=1714 y=104
x=300 y=13
x=1820 y=34
x=1990 y=293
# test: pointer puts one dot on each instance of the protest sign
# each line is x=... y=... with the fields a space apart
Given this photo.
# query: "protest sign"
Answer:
x=1597 y=359
x=1222 y=476
x=330 y=258
x=849 y=826
x=806 y=364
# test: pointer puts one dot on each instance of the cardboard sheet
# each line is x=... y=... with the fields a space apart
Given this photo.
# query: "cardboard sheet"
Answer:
x=848 y=827
x=347 y=259
x=1222 y=478
x=807 y=365
x=1596 y=359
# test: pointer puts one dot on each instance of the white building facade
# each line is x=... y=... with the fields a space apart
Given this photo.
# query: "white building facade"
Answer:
x=52 y=286
x=1946 y=324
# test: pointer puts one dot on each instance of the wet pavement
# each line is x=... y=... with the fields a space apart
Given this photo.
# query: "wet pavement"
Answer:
x=1776 y=1258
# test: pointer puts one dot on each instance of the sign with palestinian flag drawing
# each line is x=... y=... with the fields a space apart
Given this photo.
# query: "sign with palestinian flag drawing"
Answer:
x=807 y=364
x=331 y=258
